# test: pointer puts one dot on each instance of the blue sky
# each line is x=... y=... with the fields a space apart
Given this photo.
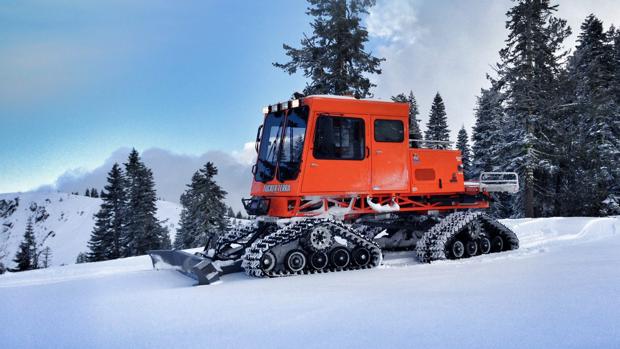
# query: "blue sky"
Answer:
x=81 y=79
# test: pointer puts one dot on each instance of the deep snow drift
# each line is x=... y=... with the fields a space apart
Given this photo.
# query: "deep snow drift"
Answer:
x=61 y=221
x=560 y=290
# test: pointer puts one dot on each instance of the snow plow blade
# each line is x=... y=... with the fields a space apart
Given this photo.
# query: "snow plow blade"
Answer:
x=202 y=269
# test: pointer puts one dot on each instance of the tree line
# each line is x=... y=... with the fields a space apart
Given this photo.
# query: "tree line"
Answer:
x=553 y=117
x=126 y=223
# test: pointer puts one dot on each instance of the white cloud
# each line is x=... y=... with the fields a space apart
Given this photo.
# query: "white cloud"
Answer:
x=435 y=47
x=246 y=156
x=394 y=21
x=172 y=173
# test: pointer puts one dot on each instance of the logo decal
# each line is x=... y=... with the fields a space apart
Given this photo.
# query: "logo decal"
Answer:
x=276 y=188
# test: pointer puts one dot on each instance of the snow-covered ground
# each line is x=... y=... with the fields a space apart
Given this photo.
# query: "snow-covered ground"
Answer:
x=560 y=290
x=61 y=221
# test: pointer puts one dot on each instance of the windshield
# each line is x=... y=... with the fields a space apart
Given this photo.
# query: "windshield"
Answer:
x=269 y=145
x=293 y=144
x=281 y=148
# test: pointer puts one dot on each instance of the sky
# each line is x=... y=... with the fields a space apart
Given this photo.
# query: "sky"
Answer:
x=82 y=81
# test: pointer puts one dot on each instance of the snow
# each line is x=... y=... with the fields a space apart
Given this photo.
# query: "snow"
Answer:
x=391 y=207
x=70 y=221
x=560 y=290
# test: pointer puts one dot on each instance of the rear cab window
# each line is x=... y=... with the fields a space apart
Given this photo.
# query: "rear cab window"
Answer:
x=392 y=131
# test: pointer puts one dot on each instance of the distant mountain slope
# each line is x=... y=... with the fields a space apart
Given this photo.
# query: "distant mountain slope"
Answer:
x=61 y=221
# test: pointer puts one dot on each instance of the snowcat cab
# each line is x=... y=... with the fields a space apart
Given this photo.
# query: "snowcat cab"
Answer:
x=336 y=182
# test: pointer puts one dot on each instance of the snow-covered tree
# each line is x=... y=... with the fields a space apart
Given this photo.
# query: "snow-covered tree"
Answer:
x=46 y=257
x=462 y=144
x=239 y=215
x=87 y=192
x=2 y=268
x=94 y=193
x=82 y=257
x=143 y=231
x=110 y=221
x=437 y=125
x=230 y=212
x=528 y=72
x=26 y=257
x=414 y=122
x=487 y=133
x=334 y=57
x=594 y=149
x=204 y=211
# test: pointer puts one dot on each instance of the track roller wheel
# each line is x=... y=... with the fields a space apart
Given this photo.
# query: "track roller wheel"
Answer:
x=340 y=257
x=268 y=262
x=319 y=260
x=485 y=245
x=295 y=261
x=361 y=256
x=457 y=249
x=497 y=244
x=471 y=247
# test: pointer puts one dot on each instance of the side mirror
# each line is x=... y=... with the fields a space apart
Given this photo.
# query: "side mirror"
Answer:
x=258 y=137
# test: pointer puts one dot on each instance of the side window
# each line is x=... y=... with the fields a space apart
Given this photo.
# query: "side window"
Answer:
x=339 y=138
x=389 y=131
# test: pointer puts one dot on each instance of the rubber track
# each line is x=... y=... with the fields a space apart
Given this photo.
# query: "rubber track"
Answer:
x=235 y=234
x=293 y=231
x=433 y=244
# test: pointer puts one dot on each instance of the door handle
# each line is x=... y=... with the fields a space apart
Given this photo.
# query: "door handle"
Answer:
x=314 y=164
x=379 y=151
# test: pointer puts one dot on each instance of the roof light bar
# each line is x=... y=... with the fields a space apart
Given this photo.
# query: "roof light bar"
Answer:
x=282 y=106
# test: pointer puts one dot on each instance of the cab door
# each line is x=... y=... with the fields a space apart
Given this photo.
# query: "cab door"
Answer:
x=389 y=155
x=338 y=158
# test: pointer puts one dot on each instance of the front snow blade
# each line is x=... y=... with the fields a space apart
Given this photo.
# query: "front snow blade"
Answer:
x=199 y=268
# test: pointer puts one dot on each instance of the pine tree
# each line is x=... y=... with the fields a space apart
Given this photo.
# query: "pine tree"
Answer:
x=334 y=57
x=110 y=221
x=239 y=215
x=487 y=134
x=437 y=126
x=94 y=193
x=594 y=143
x=87 y=193
x=528 y=72
x=203 y=214
x=26 y=257
x=143 y=231
x=82 y=257
x=230 y=212
x=2 y=268
x=46 y=257
x=462 y=144
x=414 y=122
